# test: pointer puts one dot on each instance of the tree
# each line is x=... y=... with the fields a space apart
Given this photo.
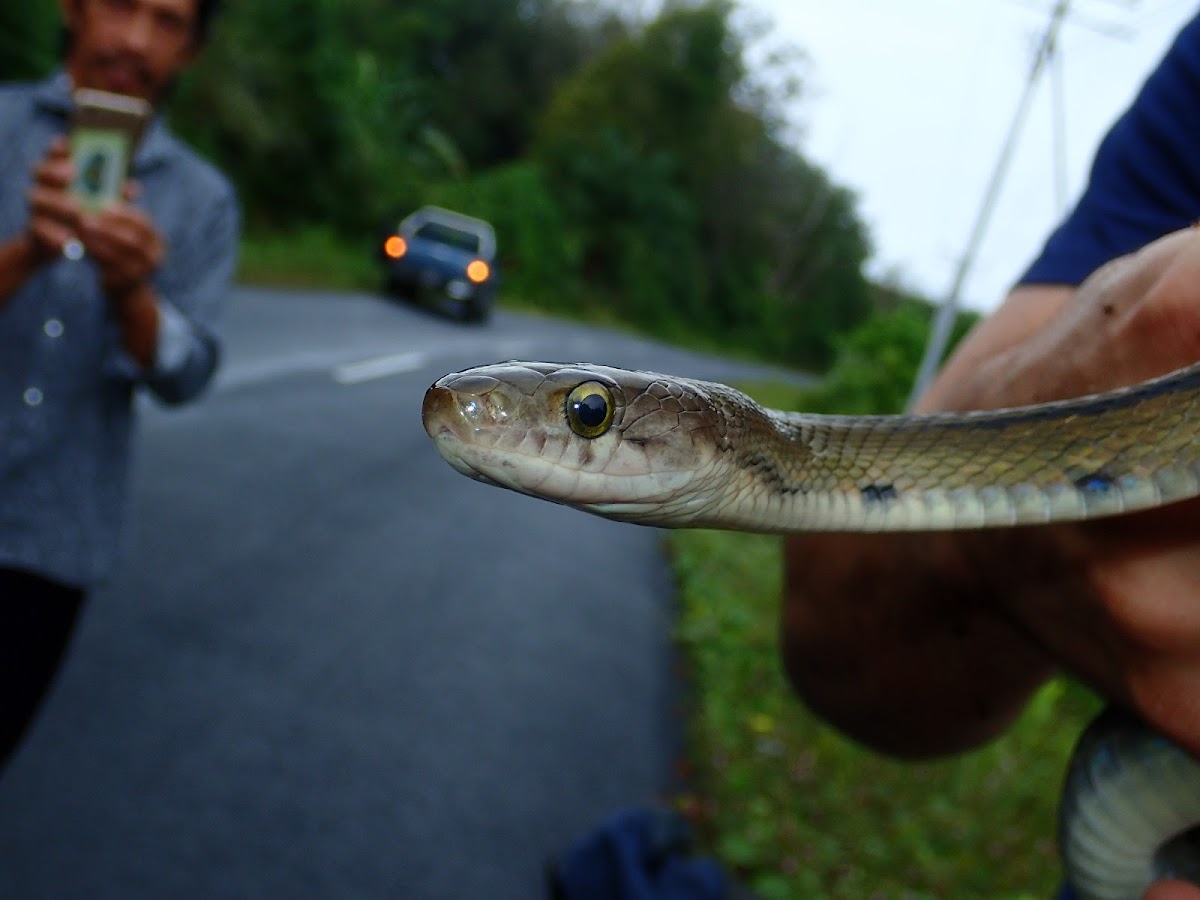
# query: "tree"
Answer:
x=689 y=204
x=344 y=112
x=489 y=67
x=283 y=114
x=28 y=33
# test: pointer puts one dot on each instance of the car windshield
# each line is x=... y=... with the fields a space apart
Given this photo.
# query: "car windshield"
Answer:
x=446 y=234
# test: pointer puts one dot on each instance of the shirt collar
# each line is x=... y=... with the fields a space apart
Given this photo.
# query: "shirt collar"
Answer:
x=54 y=96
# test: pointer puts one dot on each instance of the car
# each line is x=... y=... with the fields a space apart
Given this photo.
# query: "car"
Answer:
x=442 y=257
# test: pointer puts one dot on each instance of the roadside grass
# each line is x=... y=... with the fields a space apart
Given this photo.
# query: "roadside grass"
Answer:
x=797 y=810
x=309 y=258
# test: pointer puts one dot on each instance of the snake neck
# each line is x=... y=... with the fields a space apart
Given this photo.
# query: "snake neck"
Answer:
x=1097 y=456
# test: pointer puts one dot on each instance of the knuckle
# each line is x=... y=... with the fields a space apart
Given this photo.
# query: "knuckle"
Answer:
x=1153 y=622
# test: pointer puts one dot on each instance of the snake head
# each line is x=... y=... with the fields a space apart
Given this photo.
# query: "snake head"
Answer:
x=604 y=440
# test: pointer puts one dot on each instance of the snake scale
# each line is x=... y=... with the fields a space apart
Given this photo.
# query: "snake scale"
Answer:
x=666 y=451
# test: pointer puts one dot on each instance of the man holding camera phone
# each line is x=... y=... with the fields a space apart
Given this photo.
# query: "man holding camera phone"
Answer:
x=94 y=302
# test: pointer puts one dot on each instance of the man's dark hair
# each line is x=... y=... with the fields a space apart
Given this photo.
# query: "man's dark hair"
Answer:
x=206 y=11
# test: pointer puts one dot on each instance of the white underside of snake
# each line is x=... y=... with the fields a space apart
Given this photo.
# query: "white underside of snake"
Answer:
x=667 y=451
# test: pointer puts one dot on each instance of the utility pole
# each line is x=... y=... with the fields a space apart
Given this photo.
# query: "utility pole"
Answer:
x=948 y=310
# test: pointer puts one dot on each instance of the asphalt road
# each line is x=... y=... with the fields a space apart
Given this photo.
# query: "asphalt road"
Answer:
x=332 y=667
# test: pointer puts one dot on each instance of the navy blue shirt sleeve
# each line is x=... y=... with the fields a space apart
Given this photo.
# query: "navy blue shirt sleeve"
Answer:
x=1145 y=179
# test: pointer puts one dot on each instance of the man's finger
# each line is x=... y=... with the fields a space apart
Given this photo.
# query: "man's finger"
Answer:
x=52 y=235
x=47 y=201
x=55 y=173
x=1173 y=890
x=123 y=230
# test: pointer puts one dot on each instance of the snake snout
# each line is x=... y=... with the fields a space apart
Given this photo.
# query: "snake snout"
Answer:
x=463 y=414
x=462 y=405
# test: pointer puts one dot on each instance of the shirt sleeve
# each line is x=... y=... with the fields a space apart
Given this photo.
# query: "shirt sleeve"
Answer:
x=1145 y=178
x=191 y=291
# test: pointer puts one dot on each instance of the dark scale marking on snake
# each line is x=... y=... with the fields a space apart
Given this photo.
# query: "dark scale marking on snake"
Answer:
x=1094 y=483
x=876 y=493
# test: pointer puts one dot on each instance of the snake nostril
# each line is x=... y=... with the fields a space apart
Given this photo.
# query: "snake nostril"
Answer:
x=438 y=402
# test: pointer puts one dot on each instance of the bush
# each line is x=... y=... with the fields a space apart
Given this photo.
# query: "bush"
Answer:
x=878 y=361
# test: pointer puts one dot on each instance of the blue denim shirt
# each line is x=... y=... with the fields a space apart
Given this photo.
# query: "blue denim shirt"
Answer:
x=66 y=382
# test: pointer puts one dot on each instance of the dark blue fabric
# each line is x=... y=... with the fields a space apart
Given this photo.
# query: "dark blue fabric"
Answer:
x=1145 y=179
x=638 y=854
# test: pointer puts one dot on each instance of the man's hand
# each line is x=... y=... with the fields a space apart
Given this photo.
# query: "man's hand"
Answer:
x=1132 y=626
x=54 y=214
x=121 y=240
x=922 y=644
x=1173 y=890
x=128 y=250
x=124 y=244
x=930 y=643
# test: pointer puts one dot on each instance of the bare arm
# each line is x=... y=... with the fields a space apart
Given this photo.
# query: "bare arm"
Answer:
x=18 y=261
x=928 y=644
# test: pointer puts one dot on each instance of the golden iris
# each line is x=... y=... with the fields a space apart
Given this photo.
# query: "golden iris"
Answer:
x=590 y=409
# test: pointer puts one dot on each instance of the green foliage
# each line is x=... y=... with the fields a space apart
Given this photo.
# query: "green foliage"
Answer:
x=689 y=207
x=312 y=127
x=28 y=39
x=815 y=246
x=307 y=257
x=343 y=113
x=878 y=361
x=487 y=68
x=797 y=810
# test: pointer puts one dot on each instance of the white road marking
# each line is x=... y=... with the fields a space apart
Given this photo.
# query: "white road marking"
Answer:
x=380 y=367
x=411 y=360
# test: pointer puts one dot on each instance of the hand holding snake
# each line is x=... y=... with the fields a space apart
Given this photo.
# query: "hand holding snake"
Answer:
x=1114 y=599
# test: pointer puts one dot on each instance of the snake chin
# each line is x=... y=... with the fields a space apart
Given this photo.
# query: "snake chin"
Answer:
x=447 y=445
x=463 y=467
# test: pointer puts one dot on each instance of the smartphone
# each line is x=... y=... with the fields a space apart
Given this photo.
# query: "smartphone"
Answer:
x=105 y=131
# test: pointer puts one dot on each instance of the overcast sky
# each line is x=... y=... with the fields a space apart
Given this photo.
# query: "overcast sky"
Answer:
x=908 y=102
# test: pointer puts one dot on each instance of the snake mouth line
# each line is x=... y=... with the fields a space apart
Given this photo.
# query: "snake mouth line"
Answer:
x=448 y=444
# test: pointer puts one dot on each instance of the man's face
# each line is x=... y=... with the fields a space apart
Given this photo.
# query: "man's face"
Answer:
x=133 y=47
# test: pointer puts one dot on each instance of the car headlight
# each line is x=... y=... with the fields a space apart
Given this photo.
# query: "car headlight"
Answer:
x=478 y=271
x=395 y=246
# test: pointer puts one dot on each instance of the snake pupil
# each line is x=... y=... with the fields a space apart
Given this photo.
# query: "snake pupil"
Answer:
x=592 y=410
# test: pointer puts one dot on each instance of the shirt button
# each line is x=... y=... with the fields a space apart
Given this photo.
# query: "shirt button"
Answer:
x=32 y=396
x=53 y=328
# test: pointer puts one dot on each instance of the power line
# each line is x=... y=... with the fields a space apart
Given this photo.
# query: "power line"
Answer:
x=948 y=310
x=1046 y=53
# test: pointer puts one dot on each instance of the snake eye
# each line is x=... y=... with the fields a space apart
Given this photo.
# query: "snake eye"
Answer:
x=590 y=409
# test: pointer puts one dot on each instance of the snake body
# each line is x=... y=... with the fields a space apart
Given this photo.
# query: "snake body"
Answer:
x=675 y=452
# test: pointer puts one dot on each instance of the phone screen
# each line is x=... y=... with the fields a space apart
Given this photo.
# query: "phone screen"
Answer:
x=101 y=158
x=104 y=136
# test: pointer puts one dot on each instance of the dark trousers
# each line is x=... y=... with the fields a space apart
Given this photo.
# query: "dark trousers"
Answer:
x=37 y=618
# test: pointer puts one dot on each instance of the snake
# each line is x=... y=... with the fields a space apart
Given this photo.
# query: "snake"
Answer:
x=674 y=452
